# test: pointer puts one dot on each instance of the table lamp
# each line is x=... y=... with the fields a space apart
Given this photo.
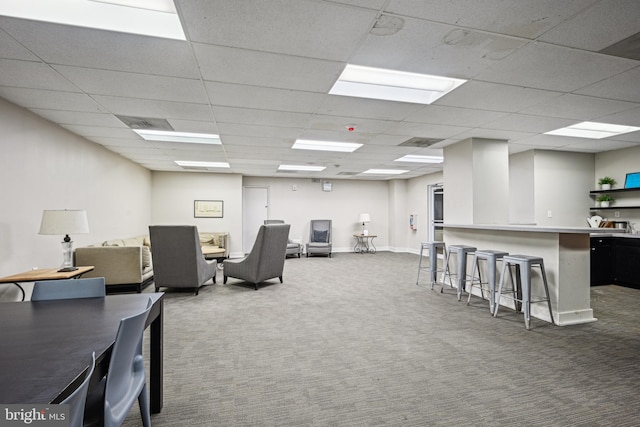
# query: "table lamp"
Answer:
x=65 y=222
x=364 y=218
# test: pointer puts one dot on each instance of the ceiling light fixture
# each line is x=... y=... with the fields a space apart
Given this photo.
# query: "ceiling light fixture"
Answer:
x=392 y=85
x=171 y=136
x=157 y=18
x=197 y=164
x=306 y=168
x=307 y=144
x=593 y=130
x=385 y=171
x=420 y=159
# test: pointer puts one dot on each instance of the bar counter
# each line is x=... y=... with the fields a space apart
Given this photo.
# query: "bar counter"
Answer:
x=566 y=254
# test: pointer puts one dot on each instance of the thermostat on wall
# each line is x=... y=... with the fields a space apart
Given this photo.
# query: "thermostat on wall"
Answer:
x=326 y=185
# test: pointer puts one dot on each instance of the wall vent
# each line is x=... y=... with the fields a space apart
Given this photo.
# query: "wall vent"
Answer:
x=420 y=142
x=148 y=123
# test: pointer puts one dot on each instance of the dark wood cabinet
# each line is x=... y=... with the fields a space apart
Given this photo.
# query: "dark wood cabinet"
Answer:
x=601 y=261
x=615 y=260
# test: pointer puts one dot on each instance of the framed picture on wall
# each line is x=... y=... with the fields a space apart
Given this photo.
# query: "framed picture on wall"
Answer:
x=208 y=208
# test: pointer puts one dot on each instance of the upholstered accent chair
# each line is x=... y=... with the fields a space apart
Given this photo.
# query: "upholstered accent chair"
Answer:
x=293 y=248
x=177 y=258
x=319 y=237
x=266 y=259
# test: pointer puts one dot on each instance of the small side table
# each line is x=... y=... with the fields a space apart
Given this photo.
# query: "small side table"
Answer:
x=364 y=243
x=44 y=274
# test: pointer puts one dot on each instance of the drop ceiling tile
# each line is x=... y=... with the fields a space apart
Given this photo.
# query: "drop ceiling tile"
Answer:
x=598 y=146
x=46 y=99
x=154 y=108
x=109 y=50
x=439 y=114
x=258 y=131
x=232 y=95
x=99 y=131
x=302 y=28
x=601 y=25
x=433 y=48
x=578 y=107
x=224 y=64
x=334 y=105
x=260 y=117
x=80 y=118
x=244 y=141
x=340 y=124
x=527 y=123
x=132 y=142
x=426 y=130
x=508 y=135
x=134 y=85
x=34 y=75
x=629 y=117
x=624 y=86
x=494 y=97
x=10 y=49
x=518 y=18
x=545 y=66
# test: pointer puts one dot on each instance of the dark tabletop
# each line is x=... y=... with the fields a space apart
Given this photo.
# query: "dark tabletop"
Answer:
x=45 y=345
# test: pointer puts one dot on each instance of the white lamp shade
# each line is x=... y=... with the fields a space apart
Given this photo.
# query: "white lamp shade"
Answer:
x=62 y=222
x=364 y=217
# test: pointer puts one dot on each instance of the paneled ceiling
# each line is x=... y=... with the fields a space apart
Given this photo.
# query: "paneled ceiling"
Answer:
x=258 y=74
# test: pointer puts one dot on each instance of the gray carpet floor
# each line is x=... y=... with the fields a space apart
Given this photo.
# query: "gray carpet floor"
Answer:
x=352 y=341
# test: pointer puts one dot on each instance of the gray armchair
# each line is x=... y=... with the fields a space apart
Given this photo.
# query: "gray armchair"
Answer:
x=266 y=259
x=293 y=248
x=319 y=237
x=177 y=257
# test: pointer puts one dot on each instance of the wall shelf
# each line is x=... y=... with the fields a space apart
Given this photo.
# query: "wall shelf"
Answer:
x=614 y=190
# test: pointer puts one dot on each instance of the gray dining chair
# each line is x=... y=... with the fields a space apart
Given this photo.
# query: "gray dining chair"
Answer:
x=44 y=290
x=78 y=398
x=126 y=380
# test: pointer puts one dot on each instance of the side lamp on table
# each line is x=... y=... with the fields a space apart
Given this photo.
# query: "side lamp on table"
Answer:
x=65 y=222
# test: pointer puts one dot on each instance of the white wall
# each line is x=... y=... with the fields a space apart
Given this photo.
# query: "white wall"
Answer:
x=562 y=184
x=173 y=195
x=342 y=205
x=43 y=166
x=417 y=203
x=521 y=184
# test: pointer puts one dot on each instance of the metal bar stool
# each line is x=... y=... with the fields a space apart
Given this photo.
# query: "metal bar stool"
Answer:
x=491 y=256
x=432 y=268
x=461 y=252
x=524 y=264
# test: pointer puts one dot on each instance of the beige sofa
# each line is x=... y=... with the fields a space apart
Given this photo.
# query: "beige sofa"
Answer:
x=125 y=264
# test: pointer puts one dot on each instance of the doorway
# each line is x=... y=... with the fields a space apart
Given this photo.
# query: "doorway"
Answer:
x=255 y=207
x=436 y=213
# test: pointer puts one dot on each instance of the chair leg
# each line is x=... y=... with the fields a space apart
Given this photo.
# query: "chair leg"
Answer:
x=280 y=277
x=196 y=289
x=224 y=280
x=256 y=286
x=143 y=401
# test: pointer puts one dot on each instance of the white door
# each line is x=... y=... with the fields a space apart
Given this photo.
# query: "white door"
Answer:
x=255 y=206
x=436 y=212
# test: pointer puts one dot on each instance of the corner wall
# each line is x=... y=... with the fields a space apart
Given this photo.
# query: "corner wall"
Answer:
x=43 y=166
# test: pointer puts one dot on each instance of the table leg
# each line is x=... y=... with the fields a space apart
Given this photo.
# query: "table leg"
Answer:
x=155 y=359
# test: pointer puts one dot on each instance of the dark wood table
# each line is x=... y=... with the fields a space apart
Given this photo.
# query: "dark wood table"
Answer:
x=44 y=274
x=45 y=346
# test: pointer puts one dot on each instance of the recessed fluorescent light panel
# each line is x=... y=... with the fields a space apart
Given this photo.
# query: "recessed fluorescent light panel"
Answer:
x=385 y=171
x=391 y=85
x=156 y=18
x=420 y=159
x=306 y=144
x=593 y=130
x=306 y=168
x=195 y=164
x=170 y=136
